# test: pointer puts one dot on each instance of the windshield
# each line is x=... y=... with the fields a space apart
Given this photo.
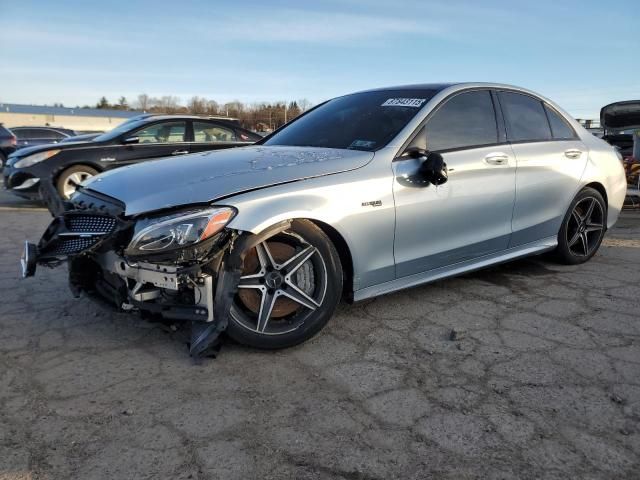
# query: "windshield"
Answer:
x=119 y=130
x=362 y=121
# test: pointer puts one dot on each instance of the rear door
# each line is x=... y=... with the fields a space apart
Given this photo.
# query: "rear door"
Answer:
x=160 y=139
x=550 y=161
x=209 y=135
x=470 y=215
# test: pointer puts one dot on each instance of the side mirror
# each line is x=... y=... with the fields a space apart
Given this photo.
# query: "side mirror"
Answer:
x=434 y=169
x=131 y=140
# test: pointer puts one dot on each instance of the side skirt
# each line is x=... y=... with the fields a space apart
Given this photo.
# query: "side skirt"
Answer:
x=526 y=250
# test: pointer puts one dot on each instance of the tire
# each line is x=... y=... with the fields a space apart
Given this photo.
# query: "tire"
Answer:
x=3 y=160
x=583 y=228
x=75 y=174
x=300 y=270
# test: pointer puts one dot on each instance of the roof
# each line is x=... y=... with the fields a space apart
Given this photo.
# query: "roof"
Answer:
x=80 y=112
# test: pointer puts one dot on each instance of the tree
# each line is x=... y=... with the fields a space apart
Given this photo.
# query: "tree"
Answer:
x=122 y=104
x=212 y=107
x=103 y=103
x=197 y=105
x=143 y=102
x=304 y=104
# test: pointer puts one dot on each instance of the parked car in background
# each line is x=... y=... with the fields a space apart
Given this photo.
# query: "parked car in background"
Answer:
x=69 y=164
x=621 y=123
x=34 y=136
x=363 y=195
x=7 y=144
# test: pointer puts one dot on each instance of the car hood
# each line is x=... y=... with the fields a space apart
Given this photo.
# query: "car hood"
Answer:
x=23 y=152
x=205 y=177
x=621 y=115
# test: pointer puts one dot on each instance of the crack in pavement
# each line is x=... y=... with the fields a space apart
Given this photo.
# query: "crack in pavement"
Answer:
x=541 y=381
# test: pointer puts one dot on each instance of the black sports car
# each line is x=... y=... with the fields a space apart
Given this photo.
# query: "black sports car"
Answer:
x=67 y=165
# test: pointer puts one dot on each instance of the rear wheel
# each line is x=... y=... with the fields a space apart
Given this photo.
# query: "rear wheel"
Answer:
x=583 y=228
x=290 y=287
x=69 y=180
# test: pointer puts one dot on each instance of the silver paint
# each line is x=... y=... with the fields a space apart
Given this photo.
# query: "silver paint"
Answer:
x=500 y=202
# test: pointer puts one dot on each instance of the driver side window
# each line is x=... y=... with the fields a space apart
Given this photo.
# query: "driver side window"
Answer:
x=167 y=132
x=466 y=120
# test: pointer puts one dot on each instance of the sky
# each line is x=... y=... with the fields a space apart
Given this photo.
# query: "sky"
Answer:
x=581 y=53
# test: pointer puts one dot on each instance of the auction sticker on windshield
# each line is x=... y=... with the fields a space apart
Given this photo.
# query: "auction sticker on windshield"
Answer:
x=404 y=102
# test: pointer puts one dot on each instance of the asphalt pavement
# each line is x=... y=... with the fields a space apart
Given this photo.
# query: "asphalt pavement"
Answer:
x=527 y=370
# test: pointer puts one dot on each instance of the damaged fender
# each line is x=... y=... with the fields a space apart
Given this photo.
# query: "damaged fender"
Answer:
x=205 y=336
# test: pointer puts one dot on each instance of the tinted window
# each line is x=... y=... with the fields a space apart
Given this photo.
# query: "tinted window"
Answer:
x=4 y=132
x=125 y=127
x=211 y=133
x=166 y=132
x=560 y=129
x=525 y=117
x=20 y=133
x=247 y=136
x=465 y=120
x=361 y=121
x=47 y=134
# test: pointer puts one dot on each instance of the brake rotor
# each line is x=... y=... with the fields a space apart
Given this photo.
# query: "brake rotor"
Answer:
x=251 y=298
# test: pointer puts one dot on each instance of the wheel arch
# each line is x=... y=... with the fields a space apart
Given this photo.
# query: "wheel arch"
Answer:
x=80 y=163
x=338 y=239
x=600 y=189
x=345 y=256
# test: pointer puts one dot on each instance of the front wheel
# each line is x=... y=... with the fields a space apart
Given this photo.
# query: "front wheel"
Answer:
x=290 y=287
x=583 y=228
x=69 y=180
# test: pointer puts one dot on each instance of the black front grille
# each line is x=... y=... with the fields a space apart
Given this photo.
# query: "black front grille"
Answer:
x=75 y=232
x=86 y=223
x=70 y=246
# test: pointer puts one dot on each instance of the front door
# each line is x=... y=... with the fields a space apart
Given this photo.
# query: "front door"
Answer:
x=161 y=139
x=470 y=215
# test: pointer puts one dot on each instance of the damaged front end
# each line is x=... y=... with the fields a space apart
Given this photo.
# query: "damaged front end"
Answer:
x=183 y=265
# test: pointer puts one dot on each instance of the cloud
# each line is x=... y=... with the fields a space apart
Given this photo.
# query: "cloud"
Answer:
x=301 y=26
x=41 y=36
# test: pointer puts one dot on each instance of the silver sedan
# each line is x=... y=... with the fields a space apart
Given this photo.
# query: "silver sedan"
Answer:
x=363 y=195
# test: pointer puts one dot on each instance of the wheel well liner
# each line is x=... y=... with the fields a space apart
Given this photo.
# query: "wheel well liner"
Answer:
x=601 y=190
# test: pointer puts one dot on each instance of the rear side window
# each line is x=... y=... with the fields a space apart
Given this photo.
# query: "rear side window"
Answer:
x=205 y=132
x=466 y=120
x=166 y=132
x=525 y=118
x=23 y=133
x=560 y=129
x=47 y=134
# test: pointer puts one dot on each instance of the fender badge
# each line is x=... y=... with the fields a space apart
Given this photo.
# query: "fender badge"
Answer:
x=108 y=159
x=374 y=203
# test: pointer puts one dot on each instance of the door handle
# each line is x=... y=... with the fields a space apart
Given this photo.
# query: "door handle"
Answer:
x=179 y=152
x=497 y=159
x=573 y=153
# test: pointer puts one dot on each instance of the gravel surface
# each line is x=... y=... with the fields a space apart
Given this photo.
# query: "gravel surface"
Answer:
x=527 y=370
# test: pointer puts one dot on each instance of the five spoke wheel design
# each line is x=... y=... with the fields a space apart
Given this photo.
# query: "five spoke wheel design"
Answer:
x=585 y=227
x=280 y=283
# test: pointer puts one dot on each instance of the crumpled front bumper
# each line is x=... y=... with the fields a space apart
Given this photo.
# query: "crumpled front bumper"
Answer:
x=90 y=241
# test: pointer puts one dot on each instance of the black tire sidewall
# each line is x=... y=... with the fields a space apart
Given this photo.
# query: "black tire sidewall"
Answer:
x=563 y=252
x=319 y=318
x=65 y=173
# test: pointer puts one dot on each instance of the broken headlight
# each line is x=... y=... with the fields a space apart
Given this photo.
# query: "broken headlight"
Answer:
x=178 y=231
